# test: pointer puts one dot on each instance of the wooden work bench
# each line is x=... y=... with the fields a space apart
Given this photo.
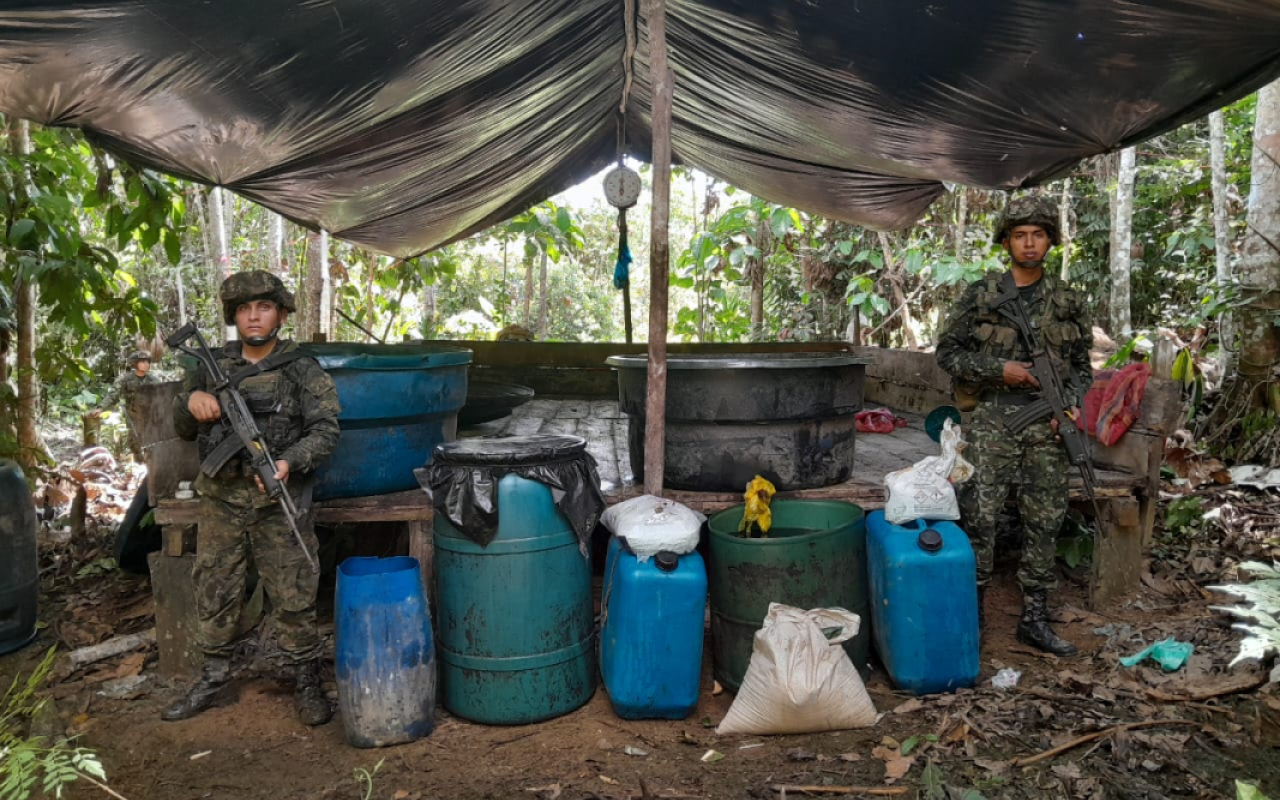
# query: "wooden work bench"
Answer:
x=171 y=567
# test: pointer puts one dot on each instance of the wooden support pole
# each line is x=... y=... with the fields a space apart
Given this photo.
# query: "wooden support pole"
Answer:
x=659 y=255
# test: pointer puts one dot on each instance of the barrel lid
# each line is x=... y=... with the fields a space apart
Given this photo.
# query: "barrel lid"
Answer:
x=506 y=451
x=799 y=360
x=930 y=540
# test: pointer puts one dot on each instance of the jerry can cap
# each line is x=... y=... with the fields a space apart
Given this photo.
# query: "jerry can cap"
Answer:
x=930 y=540
x=667 y=561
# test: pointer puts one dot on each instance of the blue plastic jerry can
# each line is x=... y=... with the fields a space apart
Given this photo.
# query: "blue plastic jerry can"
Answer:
x=924 y=603
x=652 y=632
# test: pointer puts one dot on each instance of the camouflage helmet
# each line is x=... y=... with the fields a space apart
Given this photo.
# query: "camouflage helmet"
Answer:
x=255 y=284
x=136 y=356
x=1028 y=210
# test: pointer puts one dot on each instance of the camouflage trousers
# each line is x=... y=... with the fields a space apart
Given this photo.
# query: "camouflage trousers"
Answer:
x=230 y=536
x=1033 y=463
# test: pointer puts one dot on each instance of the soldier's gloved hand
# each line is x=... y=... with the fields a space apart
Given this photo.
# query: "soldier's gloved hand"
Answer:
x=282 y=474
x=204 y=407
x=1017 y=373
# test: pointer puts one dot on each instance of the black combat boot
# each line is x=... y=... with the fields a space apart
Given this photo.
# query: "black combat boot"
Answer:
x=216 y=673
x=1033 y=628
x=313 y=706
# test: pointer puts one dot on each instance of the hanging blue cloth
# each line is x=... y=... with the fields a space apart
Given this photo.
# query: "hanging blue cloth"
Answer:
x=622 y=270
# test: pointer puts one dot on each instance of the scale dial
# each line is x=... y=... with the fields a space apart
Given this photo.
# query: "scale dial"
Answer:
x=622 y=187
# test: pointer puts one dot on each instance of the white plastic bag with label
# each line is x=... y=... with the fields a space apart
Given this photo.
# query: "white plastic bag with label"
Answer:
x=924 y=490
x=799 y=681
x=649 y=525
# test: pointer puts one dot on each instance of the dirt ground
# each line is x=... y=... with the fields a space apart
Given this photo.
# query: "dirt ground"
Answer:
x=1191 y=733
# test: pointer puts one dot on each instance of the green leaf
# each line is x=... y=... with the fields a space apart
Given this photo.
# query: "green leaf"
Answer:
x=845 y=247
x=20 y=230
x=909 y=745
x=1247 y=791
x=172 y=247
x=931 y=781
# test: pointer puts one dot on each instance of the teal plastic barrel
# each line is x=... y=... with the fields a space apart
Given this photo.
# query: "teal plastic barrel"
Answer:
x=516 y=618
x=815 y=556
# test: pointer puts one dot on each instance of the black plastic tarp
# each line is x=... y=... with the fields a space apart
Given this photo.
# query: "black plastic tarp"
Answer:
x=404 y=124
x=464 y=479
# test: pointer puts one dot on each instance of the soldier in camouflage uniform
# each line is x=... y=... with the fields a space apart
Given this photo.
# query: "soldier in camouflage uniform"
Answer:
x=295 y=405
x=983 y=352
x=137 y=374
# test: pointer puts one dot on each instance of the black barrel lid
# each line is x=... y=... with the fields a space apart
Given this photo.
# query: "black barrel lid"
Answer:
x=667 y=561
x=508 y=451
x=930 y=540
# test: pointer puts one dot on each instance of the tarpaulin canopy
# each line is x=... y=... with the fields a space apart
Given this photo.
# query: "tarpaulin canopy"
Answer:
x=405 y=124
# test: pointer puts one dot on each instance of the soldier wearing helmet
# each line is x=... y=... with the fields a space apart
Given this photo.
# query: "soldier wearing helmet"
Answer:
x=988 y=362
x=295 y=405
x=137 y=374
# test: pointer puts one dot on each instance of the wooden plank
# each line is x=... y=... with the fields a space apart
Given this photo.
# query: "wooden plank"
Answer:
x=169 y=463
x=176 y=620
x=1117 y=552
x=422 y=547
x=152 y=411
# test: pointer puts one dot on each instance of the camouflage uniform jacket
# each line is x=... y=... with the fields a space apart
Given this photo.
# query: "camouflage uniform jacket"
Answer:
x=295 y=407
x=977 y=339
x=126 y=386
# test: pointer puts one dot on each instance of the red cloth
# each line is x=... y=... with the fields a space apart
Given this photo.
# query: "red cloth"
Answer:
x=878 y=420
x=1113 y=403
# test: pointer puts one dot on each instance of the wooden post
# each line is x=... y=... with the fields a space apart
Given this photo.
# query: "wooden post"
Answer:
x=656 y=404
x=626 y=287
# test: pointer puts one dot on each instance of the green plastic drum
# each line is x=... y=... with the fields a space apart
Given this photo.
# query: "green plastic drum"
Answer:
x=814 y=557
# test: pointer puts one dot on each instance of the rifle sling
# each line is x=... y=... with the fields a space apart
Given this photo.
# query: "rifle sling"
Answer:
x=231 y=444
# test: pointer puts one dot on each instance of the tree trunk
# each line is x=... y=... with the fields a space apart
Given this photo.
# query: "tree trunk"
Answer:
x=899 y=297
x=275 y=243
x=218 y=220
x=1064 y=227
x=542 y=297
x=1122 y=244
x=328 y=295
x=757 y=298
x=429 y=312
x=528 y=290
x=1259 y=267
x=312 y=290
x=1221 y=231
x=962 y=220
x=31 y=449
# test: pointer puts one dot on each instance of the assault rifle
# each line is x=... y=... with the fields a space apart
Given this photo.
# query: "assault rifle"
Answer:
x=1052 y=401
x=247 y=438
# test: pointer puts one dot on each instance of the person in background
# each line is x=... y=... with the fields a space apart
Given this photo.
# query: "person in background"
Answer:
x=137 y=374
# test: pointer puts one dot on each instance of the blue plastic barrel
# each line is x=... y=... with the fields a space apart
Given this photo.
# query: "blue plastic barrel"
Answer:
x=386 y=662
x=19 y=576
x=516 y=618
x=651 y=633
x=924 y=603
x=398 y=402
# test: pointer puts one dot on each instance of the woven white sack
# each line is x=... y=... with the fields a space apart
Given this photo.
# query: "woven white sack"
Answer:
x=799 y=681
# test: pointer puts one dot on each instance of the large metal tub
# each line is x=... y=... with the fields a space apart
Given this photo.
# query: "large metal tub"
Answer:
x=398 y=402
x=786 y=416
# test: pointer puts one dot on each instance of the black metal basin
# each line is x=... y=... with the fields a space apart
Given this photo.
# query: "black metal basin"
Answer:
x=786 y=416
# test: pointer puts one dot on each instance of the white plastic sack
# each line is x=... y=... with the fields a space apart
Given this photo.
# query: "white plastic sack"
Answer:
x=799 y=681
x=649 y=525
x=923 y=490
